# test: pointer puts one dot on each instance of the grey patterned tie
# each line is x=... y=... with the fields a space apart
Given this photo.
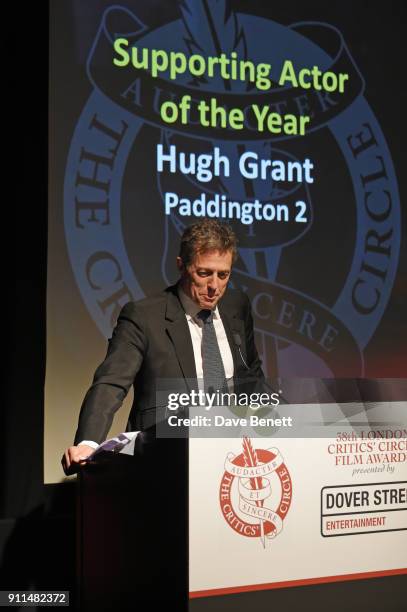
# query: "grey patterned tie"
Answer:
x=212 y=364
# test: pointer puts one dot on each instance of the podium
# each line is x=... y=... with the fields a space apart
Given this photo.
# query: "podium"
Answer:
x=181 y=519
x=133 y=528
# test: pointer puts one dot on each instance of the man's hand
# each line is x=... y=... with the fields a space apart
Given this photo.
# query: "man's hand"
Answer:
x=74 y=457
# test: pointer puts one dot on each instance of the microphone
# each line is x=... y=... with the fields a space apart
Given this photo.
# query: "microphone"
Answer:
x=238 y=342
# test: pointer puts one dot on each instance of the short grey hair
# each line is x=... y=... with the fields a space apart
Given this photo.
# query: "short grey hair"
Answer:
x=207 y=235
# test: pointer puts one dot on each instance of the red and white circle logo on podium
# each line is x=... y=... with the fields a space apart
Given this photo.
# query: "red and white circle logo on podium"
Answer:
x=255 y=492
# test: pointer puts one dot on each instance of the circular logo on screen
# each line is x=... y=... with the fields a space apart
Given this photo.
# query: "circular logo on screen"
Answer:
x=318 y=264
x=255 y=492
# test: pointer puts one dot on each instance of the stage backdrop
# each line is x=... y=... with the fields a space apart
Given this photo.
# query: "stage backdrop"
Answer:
x=285 y=121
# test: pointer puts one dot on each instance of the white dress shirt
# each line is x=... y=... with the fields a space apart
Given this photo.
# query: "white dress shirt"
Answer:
x=195 y=329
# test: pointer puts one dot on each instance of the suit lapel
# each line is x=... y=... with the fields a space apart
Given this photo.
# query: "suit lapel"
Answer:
x=178 y=331
x=234 y=326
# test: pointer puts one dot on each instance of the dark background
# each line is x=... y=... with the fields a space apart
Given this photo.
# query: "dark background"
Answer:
x=37 y=522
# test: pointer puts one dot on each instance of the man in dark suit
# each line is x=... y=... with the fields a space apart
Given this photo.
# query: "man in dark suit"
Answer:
x=161 y=338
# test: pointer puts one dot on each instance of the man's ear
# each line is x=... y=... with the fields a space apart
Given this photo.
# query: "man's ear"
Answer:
x=180 y=264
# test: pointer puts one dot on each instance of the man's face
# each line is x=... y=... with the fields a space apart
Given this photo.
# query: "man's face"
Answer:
x=206 y=278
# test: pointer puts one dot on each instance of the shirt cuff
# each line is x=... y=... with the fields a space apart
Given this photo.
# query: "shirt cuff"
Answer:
x=89 y=443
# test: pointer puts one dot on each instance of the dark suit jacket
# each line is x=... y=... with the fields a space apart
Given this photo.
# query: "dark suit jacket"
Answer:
x=151 y=341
